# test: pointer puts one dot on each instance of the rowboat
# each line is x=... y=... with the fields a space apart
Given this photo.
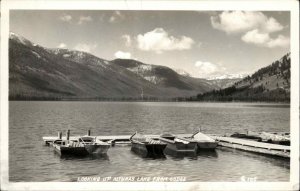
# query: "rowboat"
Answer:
x=204 y=142
x=146 y=146
x=81 y=146
x=178 y=144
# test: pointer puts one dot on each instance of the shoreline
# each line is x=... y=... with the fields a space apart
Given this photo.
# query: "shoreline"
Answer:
x=160 y=100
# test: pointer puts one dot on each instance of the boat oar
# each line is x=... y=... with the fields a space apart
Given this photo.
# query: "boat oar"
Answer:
x=132 y=135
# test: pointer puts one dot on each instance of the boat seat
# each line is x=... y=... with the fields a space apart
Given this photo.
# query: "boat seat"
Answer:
x=183 y=141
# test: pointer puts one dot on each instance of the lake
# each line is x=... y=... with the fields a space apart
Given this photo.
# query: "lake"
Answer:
x=30 y=160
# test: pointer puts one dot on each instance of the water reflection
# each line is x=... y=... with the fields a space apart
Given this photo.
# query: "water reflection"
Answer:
x=87 y=157
x=208 y=154
x=271 y=105
x=181 y=155
x=277 y=161
x=146 y=155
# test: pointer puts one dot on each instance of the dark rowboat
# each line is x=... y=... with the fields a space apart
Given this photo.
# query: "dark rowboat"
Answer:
x=81 y=146
x=62 y=147
x=147 y=147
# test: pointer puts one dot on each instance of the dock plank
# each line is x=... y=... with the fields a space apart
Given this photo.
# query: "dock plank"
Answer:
x=252 y=143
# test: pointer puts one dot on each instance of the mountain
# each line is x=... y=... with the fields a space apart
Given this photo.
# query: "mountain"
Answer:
x=223 y=83
x=229 y=76
x=271 y=83
x=36 y=72
x=182 y=72
x=163 y=76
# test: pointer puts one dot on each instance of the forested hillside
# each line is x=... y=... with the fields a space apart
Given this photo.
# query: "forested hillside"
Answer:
x=271 y=83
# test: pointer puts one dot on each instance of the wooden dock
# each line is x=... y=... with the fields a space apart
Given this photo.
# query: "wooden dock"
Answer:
x=118 y=139
x=254 y=146
x=230 y=142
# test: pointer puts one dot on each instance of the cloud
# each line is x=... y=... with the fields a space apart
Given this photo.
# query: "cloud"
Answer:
x=112 y=19
x=272 y=25
x=242 y=21
x=86 y=47
x=69 y=19
x=123 y=55
x=127 y=40
x=256 y=37
x=116 y=16
x=159 y=40
x=83 y=19
x=264 y=39
x=118 y=13
x=62 y=45
x=207 y=69
x=254 y=26
x=280 y=41
x=66 y=18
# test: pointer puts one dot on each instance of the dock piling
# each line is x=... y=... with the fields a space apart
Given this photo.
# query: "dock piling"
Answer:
x=59 y=134
x=68 y=135
x=89 y=132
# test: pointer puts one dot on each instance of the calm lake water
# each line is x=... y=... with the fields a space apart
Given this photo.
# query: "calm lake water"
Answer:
x=30 y=160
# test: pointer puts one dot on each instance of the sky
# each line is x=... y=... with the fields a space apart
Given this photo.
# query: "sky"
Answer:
x=205 y=44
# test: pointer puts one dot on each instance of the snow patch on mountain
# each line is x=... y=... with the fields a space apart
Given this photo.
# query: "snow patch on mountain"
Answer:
x=106 y=62
x=20 y=39
x=152 y=79
x=182 y=72
x=78 y=56
x=228 y=76
x=145 y=71
x=55 y=51
x=36 y=54
x=66 y=55
x=141 y=69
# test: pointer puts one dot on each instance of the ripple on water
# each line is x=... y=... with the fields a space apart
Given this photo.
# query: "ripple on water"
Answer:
x=29 y=160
